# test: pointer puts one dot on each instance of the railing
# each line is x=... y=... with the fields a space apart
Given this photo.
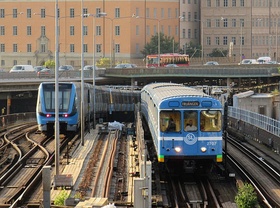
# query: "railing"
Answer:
x=263 y=122
x=17 y=118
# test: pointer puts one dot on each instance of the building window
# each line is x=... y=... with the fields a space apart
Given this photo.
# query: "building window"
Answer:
x=97 y=11
x=148 y=32
x=2 y=13
x=15 y=48
x=217 y=23
x=117 y=12
x=189 y=16
x=28 y=48
x=43 y=48
x=169 y=13
x=2 y=30
x=195 y=15
x=176 y=30
x=85 y=30
x=189 y=33
x=147 y=12
x=137 y=30
x=43 y=13
x=208 y=23
x=2 y=47
x=195 y=33
x=162 y=13
x=225 y=22
x=225 y=3
x=169 y=30
x=29 y=62
x=98 y=48
x=28 y=13
x=2 y=62
x=233 y=22
x=117 y=48
x=208 y=3
x=72 y=12
x=217 y=3
x=14 y=62
x=15 y=30
x=233 y=40
x=225 y=40
x=242 y=23
x=208 y=41
x=15 y=13
x=85 y=11
x=28 y=30
x=234 y=3
x=217 y=40
x=155 y=12
x=184 y=33
x=98 y=30
x=155 y=30
x=137 y=12
x=242 y=4
x=117 y=30
x=243 y=40
x=72 y=30
x=43 y=31
x=72 y=48
x=85 y=48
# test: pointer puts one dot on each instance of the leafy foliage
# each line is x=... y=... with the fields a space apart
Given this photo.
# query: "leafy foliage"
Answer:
x=166 y=45
x=246 y=197
x=62 y=196
x=50 y=64
x=103 y=62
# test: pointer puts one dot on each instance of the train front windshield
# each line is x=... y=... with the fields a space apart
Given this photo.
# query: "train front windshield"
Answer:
x=204 y=120
x=63 y=96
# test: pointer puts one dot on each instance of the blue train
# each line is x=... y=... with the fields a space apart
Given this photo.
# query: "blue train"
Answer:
x=69 y=106
x=185 y=123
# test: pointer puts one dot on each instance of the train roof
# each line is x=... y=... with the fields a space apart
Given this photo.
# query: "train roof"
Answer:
x=163 y=91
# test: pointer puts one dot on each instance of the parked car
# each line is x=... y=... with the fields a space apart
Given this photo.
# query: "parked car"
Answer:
x=263 y=60
x=22 y=68
x=249 y=61
x=272 y=62
x=39 y=68
x=125 y=65
x=90 y=67
x=211 y=63
x=45 y=73
x=65 y=68
x=171 y=65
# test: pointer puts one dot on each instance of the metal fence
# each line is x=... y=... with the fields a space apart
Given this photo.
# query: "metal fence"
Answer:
x=17 y=118
x=263 y=122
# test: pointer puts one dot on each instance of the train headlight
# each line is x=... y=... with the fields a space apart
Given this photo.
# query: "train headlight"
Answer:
x=203 y=149
x=65 y=115
x=178 y=149
x=48 y=115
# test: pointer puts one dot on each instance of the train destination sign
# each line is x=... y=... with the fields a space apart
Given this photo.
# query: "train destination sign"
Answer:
x=190 y=103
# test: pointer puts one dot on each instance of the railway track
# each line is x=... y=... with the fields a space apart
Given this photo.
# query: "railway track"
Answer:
x=257 y=170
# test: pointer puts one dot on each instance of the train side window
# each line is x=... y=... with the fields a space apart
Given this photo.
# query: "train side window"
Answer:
x=190 y=120
x=210 y=120
x=170 y=121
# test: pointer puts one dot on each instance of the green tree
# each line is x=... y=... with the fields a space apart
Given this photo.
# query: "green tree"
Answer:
x=166 y=45
x=246 y=197
x=50 y=64
x=103 y=62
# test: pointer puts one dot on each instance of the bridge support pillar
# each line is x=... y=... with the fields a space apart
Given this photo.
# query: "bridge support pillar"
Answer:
x=9 y=101
x=46 y=176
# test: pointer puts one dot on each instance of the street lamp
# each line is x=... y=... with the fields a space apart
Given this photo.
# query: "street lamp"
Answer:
x=100 y=14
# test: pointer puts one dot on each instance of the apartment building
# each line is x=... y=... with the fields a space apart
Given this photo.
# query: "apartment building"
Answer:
x=247 y=29
x=27 y=29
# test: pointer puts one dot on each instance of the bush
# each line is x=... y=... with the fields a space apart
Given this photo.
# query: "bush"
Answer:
x=62 y=196
x=246 y=197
